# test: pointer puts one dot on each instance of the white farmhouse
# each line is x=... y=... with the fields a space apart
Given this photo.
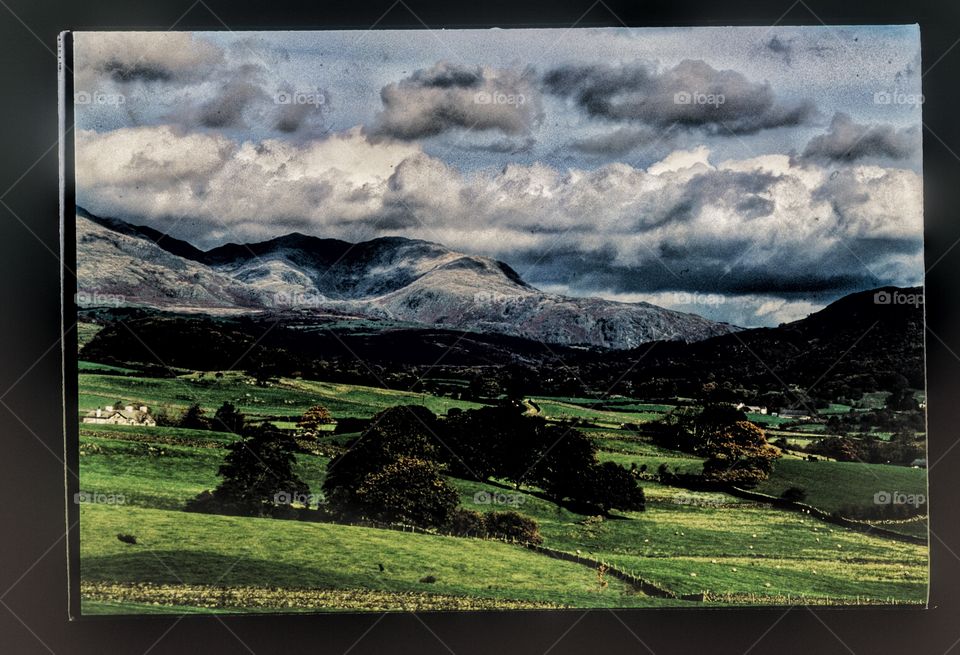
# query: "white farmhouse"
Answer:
x=120 y=415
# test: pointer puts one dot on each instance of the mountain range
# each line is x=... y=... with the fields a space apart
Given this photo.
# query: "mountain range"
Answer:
x=391 y=279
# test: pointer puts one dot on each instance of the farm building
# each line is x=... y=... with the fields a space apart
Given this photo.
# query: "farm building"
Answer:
x=756 y=409
x=118 y=415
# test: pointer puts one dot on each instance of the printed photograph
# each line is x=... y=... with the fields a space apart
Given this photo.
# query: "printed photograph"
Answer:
x=498 y=319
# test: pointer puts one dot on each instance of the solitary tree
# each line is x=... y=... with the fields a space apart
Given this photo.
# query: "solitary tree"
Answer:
x=193 y=418
x=610 y=486
x=313 y=418
x=408 y=490
x=257 y=474
x=228 y=419
x=738 y=454
x=401 y=431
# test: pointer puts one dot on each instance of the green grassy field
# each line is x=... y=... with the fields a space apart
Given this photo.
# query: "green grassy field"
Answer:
x=557 y=410
x=177 y=548
x=691 y=542
x=86 y=332
x=737 y=551
x=163 y=476
x=832 y=486
x=286 y=398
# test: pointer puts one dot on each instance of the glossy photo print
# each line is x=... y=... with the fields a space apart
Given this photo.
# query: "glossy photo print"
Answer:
x=510 y=319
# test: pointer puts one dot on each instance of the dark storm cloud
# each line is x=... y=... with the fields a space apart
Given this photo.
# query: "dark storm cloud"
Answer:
x=451 y=96
x=290 y=117
x=300 y=113
x=203 y=85
x=226 y=109
x=692 y=94
x=781 y=47
x=847 y=141
x=448 y=76
x=706 y=267
x=128 y=58
x=738 y=190
x=122 y=71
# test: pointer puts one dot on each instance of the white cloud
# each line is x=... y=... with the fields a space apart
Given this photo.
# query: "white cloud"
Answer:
x=152 y=157
x=679 y=160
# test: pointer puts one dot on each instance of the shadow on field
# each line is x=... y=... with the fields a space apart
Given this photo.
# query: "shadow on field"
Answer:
x=199 y=567
x=577 y=508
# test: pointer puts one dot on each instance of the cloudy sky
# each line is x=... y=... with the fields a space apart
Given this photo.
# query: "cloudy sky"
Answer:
x=746 y=174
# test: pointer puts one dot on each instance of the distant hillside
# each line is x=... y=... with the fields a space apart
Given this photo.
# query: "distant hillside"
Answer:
x=854 y=342
x=851 y=346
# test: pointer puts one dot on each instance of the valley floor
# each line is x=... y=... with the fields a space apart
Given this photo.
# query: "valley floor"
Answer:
x=722 y=549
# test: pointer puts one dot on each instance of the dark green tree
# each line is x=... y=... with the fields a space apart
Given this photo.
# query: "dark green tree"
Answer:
x=193 y=418
x=257 y=475
x=407 y=490
x=402 y=431
x=513 y=526
x=228 y=419
x=610 y=486
x=486 y=441
x=562 y=457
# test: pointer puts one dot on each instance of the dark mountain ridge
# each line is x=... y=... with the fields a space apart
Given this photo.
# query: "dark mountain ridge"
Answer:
x=390 y=279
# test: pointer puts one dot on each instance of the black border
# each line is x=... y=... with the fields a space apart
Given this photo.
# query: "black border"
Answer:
x=68 y=286
x=32 y=567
